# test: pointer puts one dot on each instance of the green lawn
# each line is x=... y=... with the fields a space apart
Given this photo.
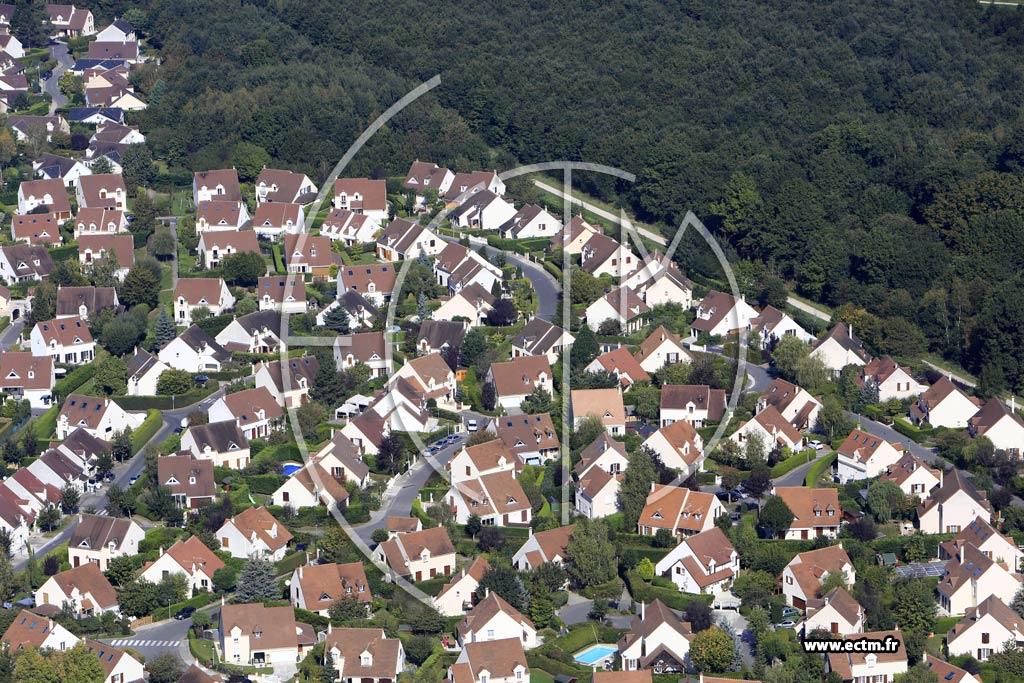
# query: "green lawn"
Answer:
x=538 y=676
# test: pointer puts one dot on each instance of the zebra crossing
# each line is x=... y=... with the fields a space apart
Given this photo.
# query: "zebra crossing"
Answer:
x=141 y=642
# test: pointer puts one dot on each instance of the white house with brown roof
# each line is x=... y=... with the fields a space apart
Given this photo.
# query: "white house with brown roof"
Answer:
x=705 y=563
x=496 y=498
x=483 y=210
x=99 y=539
x=604 y=255
x=102 y=190
x=816 y=512
x=284 y=293
x=984 y=630
x=913 y=475
x=530 y=221
x=256 y=332
x=492 y=661
x=30 y=630
x=659 y=281
x=221 y=216
x=189 y=479
x=288 y=380
x=254 y=533
x=36 y=228
x=620 y=363
x=318 y=586
x=101 y=417
x=254 y=410
x=429 y=376
x=661 y=348
x=531 y=438
x=368 y=348
x=84 y=588
x=144 y=370
x=404 y=239
x=215 y=246
x=879 y=667
x=419 y=555
x=604 y=404
x=472 y=304
x=349 y=227
x=223 y=442
x=697 y=404
x=457 y=267
x=544 y=546
x=200 y=292
x=459 y=594
x=679 y=446
x=255 y=635
x=773 y=430
x=993 y=545
x=46 y=193
x=362 y=195
x=273 y=219
x=802 y=577
x=597 y=477
x=657 y=640
x=865 y=456
x=679 y=510
x=889 y=379
x=516 y=379
x=25 y=376
x=96 y=249
x=719 y=314
x=100 y=221
x=839 y=348
x=540 y=338
x=365 y=655
x=218 y=184
x=836 y=612
x=67 y=341
x=970 y=576
x=289 y=187
x=425 y=177
x=772 y=325
x=194 y=351
x=946 y=672
x=621 y=306
x=943 y=404
x=793 y=402
x=494 y=619
x=189 y=558
x=953 y=505
x=1001 y=425
x=373 y=281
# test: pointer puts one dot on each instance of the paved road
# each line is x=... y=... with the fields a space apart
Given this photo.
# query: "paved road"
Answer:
x=544 y=284
x=159 y=638
x=598 y=211
x=172 y=223
x=11 y=333
x=807 y=308
x=52 y=84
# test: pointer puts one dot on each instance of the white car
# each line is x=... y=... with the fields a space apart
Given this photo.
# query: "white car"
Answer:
x=816 y=445
x=471 y=425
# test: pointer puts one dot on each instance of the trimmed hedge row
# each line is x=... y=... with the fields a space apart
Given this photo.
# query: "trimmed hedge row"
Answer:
x=901 y=425
x=789 y=464
x=147 y=430
x=163 y=402
x=643 y=591
x=74 y=379
x=818 y=467
x=197 y=601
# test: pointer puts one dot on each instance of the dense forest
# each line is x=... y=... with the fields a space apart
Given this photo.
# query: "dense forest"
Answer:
x=866 y=153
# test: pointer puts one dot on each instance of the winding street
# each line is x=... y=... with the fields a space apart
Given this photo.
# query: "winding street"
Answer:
x=51 y=85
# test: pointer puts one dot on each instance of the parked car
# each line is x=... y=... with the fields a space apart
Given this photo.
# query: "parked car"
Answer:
x=788 y=623
x=178 y=430
x=133 y=479
x=816 y=445
x=471 y=425
x=790 y=612
x=741 y=494
x=184 y=613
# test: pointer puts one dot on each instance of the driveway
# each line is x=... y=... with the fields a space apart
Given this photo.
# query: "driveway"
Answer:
x=11 y=333
x=738 y=622
x=575 y=610
x=51 y=85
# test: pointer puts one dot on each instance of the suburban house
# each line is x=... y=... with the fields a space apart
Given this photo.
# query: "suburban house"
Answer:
x=284 y=293
x=430 y=378
x=471 y=462
x=496 y=498
x=597 y=476
x=839 y=348
x=657 y=640
x=472 y=303
x=864 y=456
x=985 y=629
x=67 y=341
x=771 y=325
x=771 y=428
x=24 y=262
x=215 y=246
x=373 y=281
x=144 y=370
x=288 y=187
x=310 y=487
x=621 y=364
x=678 y=510
x=272 y=220
x=254 y=410
x=1001 y=425
x=912 y=475
x=436 y=336
x=350 y=227
x=425 y=177
x=288 y=380
x=99 y=539
x=367 y=431
x=465 y=185
x=946 y=671
x=404 y=239
x=794 y=403
x=661 y=348
x=419 y=555
x=543 y=546
x=255 y=635
x=492 y=661
x=494 y=619
x=24 y=376
x=621 y=307
x=221 y=185
x=194 y=351
x=603 y=255
x=221 y=215
x=705 y=563
x=971 y=576
x=100 y=221
x=531 y=438
x=118 y=665
x=30 y=630
x=719 y=314
x=397 y=524
x=679 y=446
x=310 y=255
x=364 y=655
x=200 y=292
x=189 y=479
x=529 y=222
x=94 y=249
x=102 y=191
x=318 y=586
x=943 y=404
x=802 y=577
x=953 y=505
x=368 y=348
x=604 y=404
x=362 y=195
x=880 y=667
x=697 y=404
x=540 y=338
x=816 y=512
x=49 y=194
x=189 y=558
x=36 y=228
x=70 y=21
x=457 y=267
x=516 y=379
x=82 y=302
x=659 y=281
x=484 y=210
x=890 y=380
x=836 y=612
x=459 y=594
x=222 y=442
x=55 y=167
x=84 y=588
x=257 y=332
x=254 y=533
x=994 y=545
x=101 y=417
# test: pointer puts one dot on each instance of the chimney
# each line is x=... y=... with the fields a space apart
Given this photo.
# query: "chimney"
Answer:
x=300 y=572
x=161 y=550
x=222 y=603
x=643 y=610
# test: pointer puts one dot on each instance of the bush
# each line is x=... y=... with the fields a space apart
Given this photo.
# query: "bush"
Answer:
x=818 y=468
x=901 y=425
x=74 y=379
x=789 y=464
x=147 y=430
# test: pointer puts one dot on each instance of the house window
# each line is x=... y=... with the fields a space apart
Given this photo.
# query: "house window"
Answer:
x=985 y=638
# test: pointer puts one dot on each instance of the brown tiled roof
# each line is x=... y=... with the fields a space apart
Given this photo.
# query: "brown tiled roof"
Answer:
x=359 y=278
x=24 y=257
x=680 y=433
x=374 y=193
x=604 y=403
x=275 y=624
x=37 y=228
x=352 y=642
x=184 y=475
x=227 y=177
x=50 y=186
x=518 y=375
x=953 y=482
x=621 y=362
x=276 y=215
x=486 y=456
x=946 y=672
x=303 y=367
x=95 y=299
x=93 y=185
x=435 y=540
x=967 y=564
x=87 y=410
x=22 y=369
x=594 y=481
x=597 y=448
x=655 y=339
x=655 y=615
x=312 y=250
x=220 y=212
x=122 y=246
x=526 y=433
x=363 y=346
x=992 y=411
x=538 y=336
x=323 y=584
x=809 y=567
x=993 y=606
x=426 y=174
x=703 y=397
x=719 y=304
x=598 y=249
x=193 y=553
x=88 y=578
x=860 y=445
x=495 y=493
x=288 y=184
x=840 y=600
x=194 y=674
x=65 y=331
x=281 y=286
x=710 y=545
x=241 y=241
x=244 y=405
x=219 y=436
x=906 y=466
x=475 y=570
x=197 y=290
x=28 y=630
x=805 y=502
x=487 y=609
x=846 y=339
x=626 y=303
x=261 y=522
x=499 y=657
x=553 y=542
x=113 y=50
x=674 y=507
x=773 y=423
x=403 y=525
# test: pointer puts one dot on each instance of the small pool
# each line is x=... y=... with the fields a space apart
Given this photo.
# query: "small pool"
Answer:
x=595 y=654
x=290 y=468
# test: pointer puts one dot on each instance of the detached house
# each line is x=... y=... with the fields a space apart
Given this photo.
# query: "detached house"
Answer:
x=794 y=403
x=864 y=456
x=661 y=348
x=364 y=655
x=55 y=167
x=773 y=430
x=497 y=498
x=994 y=545
x=312 y=255
x=889 y=380
x=288 y=380
x=194 y=351
x=839 y=348
x=597 y=477
x=679 y=446
x=189 y=479
x=436 y=336
x=529 y=222
x=100 y=221
x=604 y=404
x=429 y=377
x=368 y=348
x=540 y=338
x=30 y=630
x=36 y=228
x=82 y=302
x=284 y=293
x=222 y=442
x=659 y=281
x=544 y=546
x=189 y=558
x=374 y=281
x=816 y=512
x=83 y=588
x=221 y=215
x=802 y=577
x=465 y=185
x=215 y=246
x=912 y=475
x=772 y=325
x=349 y=227
x=255 y=635
x=602 y=255
x=516 y=379
x=494 y=661
x=425 y=177
x=272 y=220
x=404 y=239
x=952 y=505
x=1001 y=425
x=484 y=210
x=859 y=665
x=680 y=511
x=697 y=404
x=719 y=314
x=531 y=438
x=657 y=640
x=220 y=185
x=970 y=577
x=459 y=594
x=101 y=417
x=417 y=556
x=94 y=249
x=362 y=195
x=287 y=187
x=705 y=563
x=24 y=376
x=457 y=267
x=943 y=404
x=254 y=533
x=494 y=619
x=200 y=292
x=102 y=191
x=471 y=304
x=257 y=332
x=49 y=194
x=985 y=629
x=318 y=586
x=99 y=539
x=622 y=365
x=835 y=612
x=24 y=263
x=254 y=410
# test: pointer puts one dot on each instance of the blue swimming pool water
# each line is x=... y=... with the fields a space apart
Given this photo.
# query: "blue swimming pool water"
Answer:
x=290 y=469
x=595 y=654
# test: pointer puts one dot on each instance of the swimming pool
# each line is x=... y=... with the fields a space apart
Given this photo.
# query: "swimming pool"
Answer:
x=288 y=469
x=595 y=654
